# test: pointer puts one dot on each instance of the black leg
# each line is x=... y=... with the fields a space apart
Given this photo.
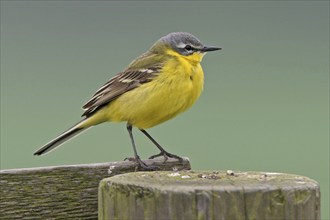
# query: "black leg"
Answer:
x=163 y=152
x=136 y=156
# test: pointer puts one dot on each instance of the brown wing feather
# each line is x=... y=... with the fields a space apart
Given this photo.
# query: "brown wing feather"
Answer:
x=116 y=86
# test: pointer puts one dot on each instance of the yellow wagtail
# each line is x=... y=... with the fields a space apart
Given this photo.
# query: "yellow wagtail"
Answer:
x=159 y=84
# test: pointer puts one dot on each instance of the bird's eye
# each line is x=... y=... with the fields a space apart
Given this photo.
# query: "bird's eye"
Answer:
x=188 y=47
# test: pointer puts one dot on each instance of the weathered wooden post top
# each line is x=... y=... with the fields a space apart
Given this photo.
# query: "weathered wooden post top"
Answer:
x=208 y=195
x=117 y=191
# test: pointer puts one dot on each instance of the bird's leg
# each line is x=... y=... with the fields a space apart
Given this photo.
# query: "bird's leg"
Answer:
x=163 y=152
x=136 y=156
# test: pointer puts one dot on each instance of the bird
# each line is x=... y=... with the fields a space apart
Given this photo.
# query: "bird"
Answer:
x=155 y=87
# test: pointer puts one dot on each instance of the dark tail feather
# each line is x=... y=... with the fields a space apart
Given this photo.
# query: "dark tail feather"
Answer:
x=56 y=142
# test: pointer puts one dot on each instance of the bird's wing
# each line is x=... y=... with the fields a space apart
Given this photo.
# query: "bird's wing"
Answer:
x=119 y=84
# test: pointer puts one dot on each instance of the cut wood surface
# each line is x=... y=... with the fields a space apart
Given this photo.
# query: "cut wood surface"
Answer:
x=209 y=195
x=63 y=192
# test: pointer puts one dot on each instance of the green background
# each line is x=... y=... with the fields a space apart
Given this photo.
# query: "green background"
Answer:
x=264 y=107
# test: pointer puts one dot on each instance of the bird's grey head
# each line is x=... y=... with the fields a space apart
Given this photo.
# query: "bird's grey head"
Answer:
x=185 y=43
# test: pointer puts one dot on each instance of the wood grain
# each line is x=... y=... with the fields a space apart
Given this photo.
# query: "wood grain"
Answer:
x=62 y=192
x=209 y=195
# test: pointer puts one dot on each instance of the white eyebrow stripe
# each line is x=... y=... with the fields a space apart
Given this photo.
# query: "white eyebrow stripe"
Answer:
x=181 y=45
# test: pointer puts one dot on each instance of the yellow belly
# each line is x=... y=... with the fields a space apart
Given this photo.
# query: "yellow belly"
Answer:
x=175 y=89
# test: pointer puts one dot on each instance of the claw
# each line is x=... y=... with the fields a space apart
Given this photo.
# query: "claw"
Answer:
x=166 y=155
x=142 y=164
x=129 y=159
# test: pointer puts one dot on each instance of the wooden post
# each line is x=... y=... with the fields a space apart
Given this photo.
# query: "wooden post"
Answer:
x=209 y=195
x=62 y=192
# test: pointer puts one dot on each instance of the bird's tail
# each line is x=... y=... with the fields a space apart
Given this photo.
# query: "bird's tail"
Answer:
x=62 y=138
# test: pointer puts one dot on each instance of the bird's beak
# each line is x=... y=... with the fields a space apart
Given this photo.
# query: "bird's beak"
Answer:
x=209 y=48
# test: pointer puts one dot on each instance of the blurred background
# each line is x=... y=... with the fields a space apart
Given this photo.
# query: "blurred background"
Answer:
x=265 y=106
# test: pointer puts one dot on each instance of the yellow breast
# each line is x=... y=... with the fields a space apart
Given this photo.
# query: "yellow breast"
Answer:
x=177 y=87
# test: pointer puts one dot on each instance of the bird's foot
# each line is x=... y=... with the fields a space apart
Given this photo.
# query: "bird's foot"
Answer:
x=166 y=155
x=142 y=164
